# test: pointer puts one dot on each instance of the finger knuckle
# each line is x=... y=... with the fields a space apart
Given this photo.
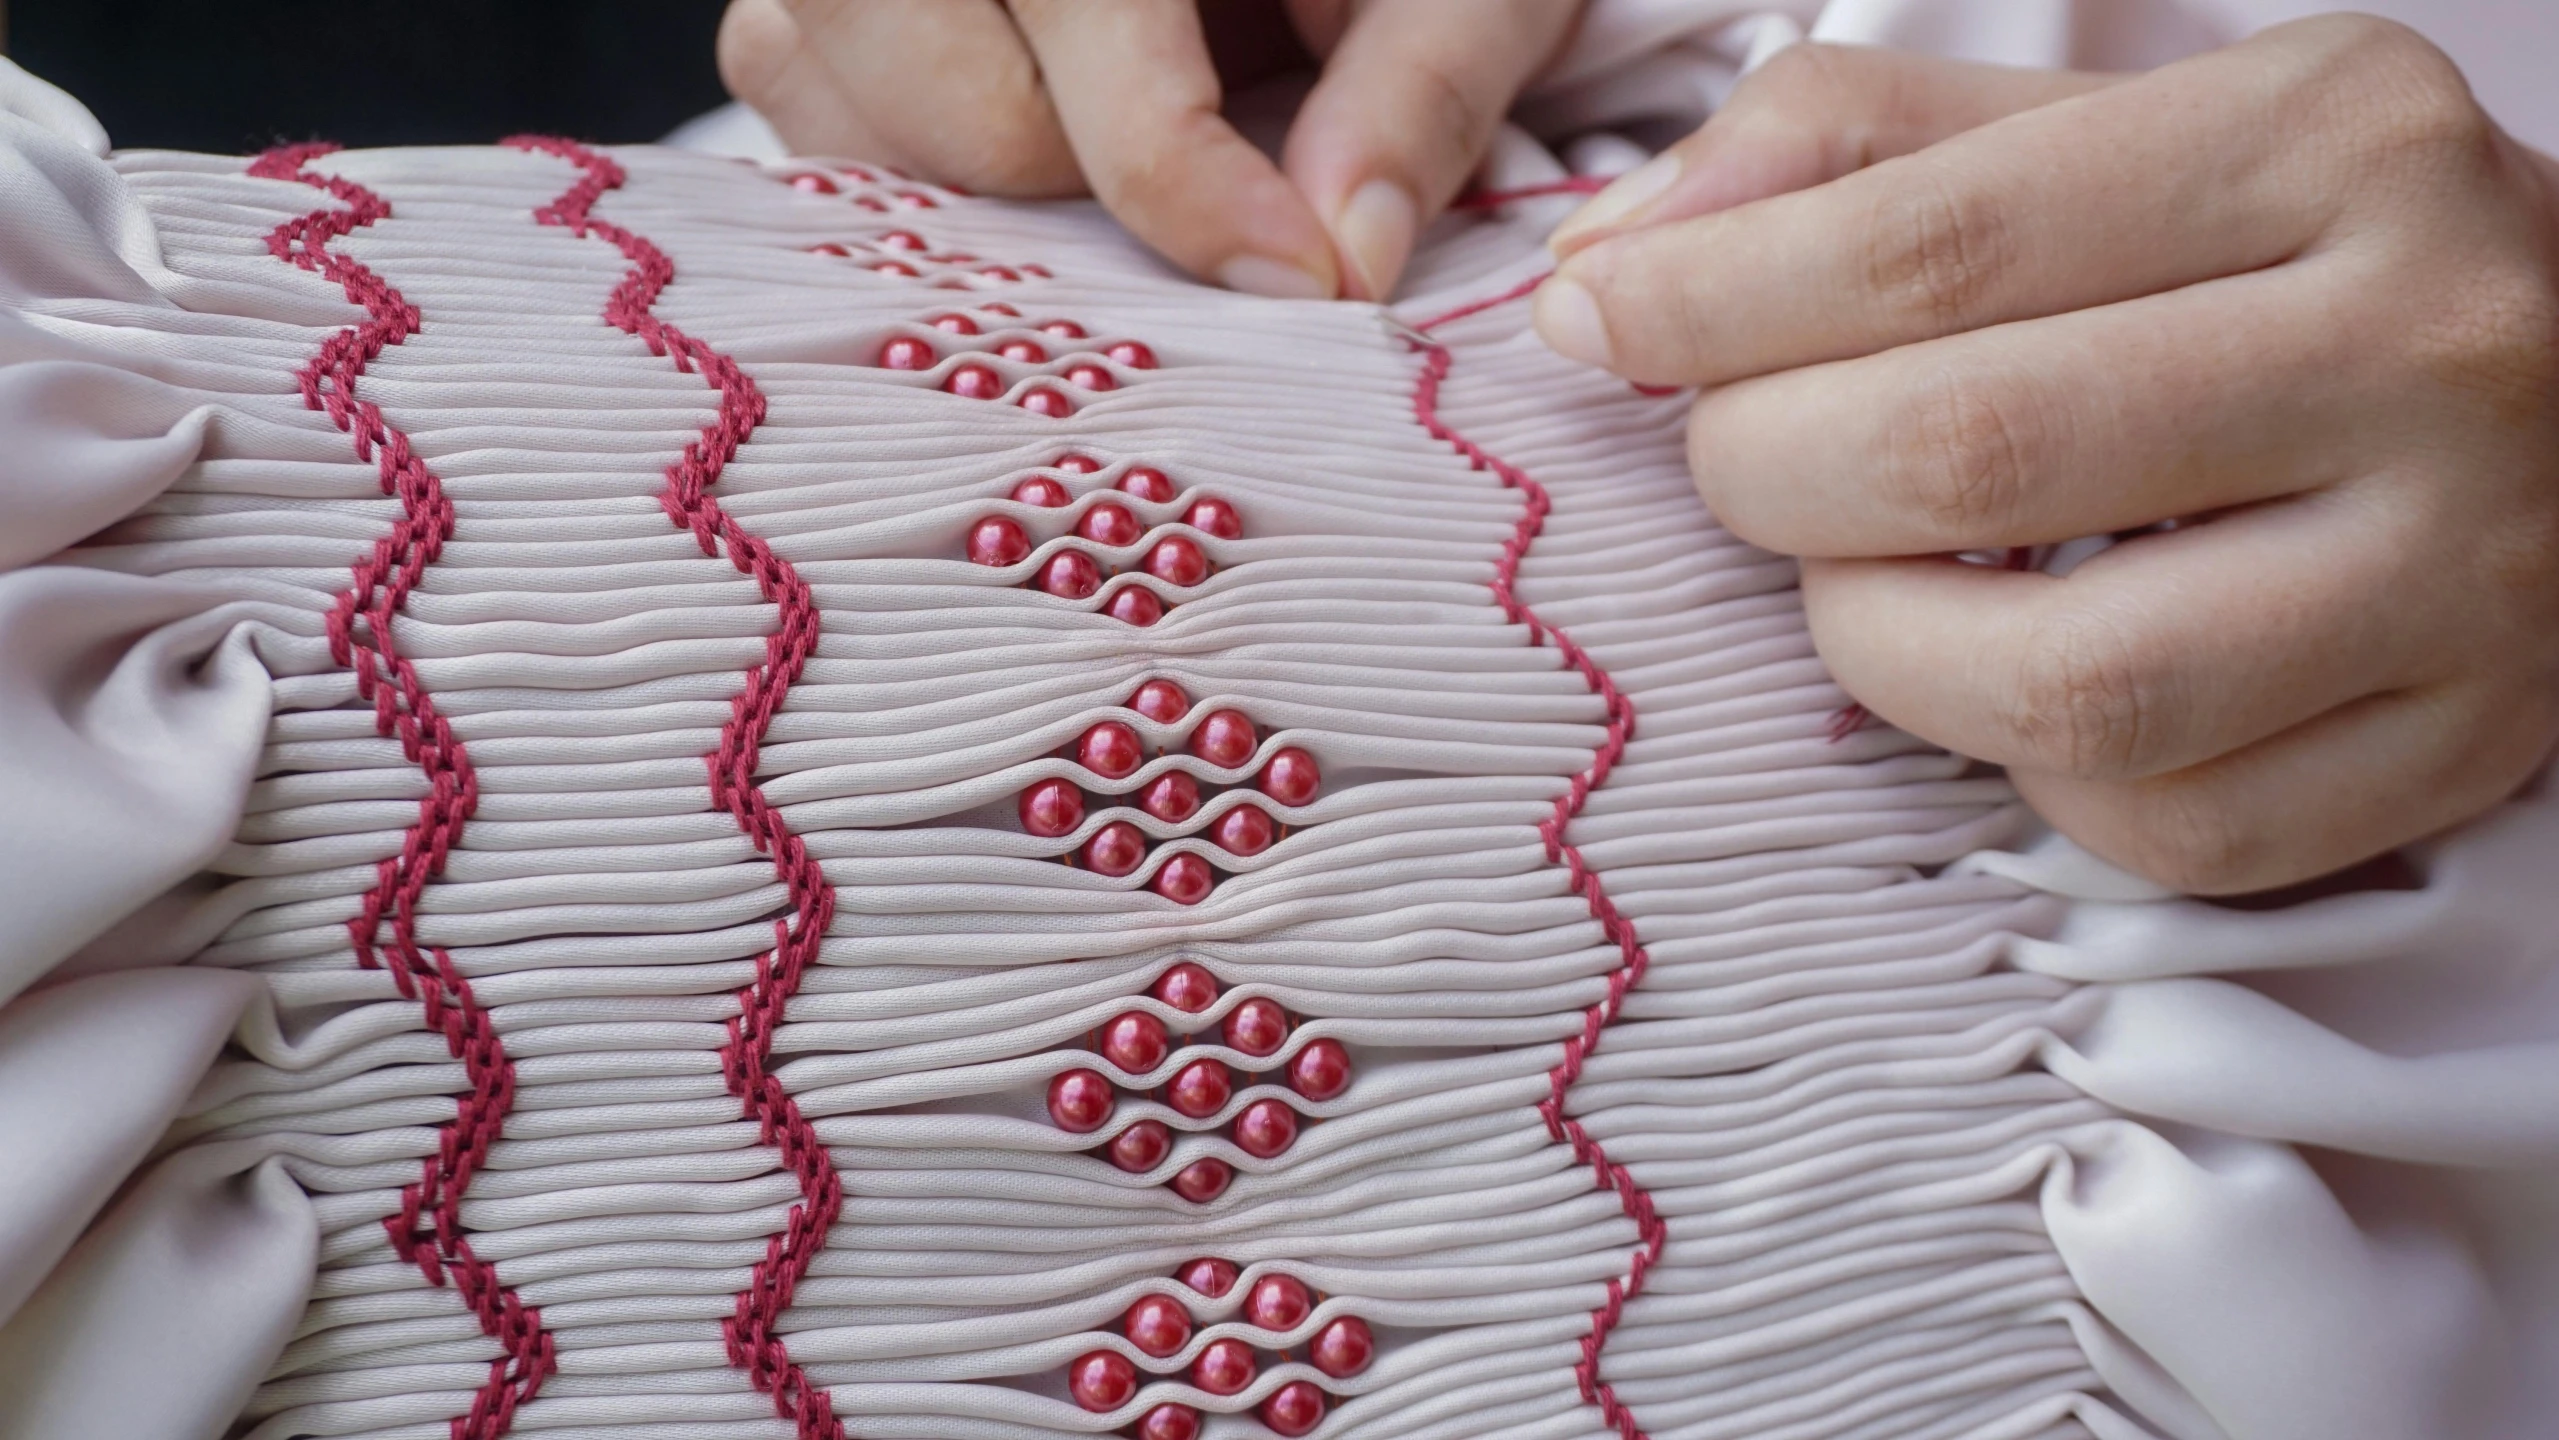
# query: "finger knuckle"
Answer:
x=1957 y=456
x=2394 y=91
x=1937 y=249
x=2189 y=835
x=1450 y=119
x=2083 y=703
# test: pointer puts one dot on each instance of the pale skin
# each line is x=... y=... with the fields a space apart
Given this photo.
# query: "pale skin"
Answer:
x=2300 y=295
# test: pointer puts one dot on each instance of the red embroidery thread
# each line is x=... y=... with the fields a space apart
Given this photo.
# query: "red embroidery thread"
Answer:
x=1606 y=1173
x=427 y=1232
x=754 y=1344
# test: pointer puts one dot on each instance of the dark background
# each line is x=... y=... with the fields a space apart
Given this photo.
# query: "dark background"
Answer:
x=238 y=75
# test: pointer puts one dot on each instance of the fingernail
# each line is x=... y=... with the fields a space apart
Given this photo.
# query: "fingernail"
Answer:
x=1624 y=196
x=1276 y=279
x=1568 y=318
x=1375 y=228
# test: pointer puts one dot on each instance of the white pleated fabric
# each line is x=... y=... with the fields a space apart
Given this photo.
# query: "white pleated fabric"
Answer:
x=1856 y=1137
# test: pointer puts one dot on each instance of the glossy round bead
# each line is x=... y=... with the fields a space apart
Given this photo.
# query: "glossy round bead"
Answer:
x=1257 y=1027
x=1266 y=1128
x=1187 y=987
x=1080 y=1100
x=894 y=267
x=1109 y=524
x=1135 y=1042
x=1141 y=1147
x=1041 y=491
x=809 y=184
x=1224 y=739
x=905 y=352
x=902 y=240
x=1213 y=516
x=1062 y=329
x=1111 y=750
x=1225 y=1367
x=1161 y=701
x=1203 y=1180
x=1244 y=830
x=1052 y=808
x=998 y=307
x=974 y=382
x=998 y=540
x=1295 y=1408
x=1102 y=1380
x=1070 y=575
x=1290 y=777
x=1320 y=1071
x=1091 y=377
x=999 y=272
x=1177 y=560
x=1132 y=354
x=1028 y=352
x=1185 y=879
x=1171 y=797
x=1170 y=1422
x=1343 y=1348
x=1115 y=850
x=1158 y=1325
x=1041 y=400
x=1200 y=1089
x=1076 y=464
x=1148 y=484
x=1135 y=605
x=1208 y=1275
x=1278 y=1302
x=955 y=324
x=828 y=247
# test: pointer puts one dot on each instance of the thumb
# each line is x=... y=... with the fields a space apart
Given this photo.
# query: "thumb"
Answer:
x=1812 y=114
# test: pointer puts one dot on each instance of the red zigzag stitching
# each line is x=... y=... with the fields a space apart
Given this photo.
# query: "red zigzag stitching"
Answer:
x=754 y=1344
x=1608 y=1174
x=427 y=1231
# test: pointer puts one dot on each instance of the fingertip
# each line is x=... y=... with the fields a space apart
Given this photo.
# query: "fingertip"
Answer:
x=1374 y=230
x=1568 y=319
x=1273 y=279
x=1623 y=203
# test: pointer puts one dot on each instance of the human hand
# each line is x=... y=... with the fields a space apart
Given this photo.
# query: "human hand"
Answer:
x=1054 y=97
x=2301 y=290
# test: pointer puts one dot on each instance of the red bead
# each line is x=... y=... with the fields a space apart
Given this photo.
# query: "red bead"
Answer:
x=1187 y=987
x=1135 y=1042
x=907 y=353
x=1170 y=1422
x=1141 y=1147
x=1041 y=400
x=1161 y=701
x=1041 y=491
x=894 y=267
x=1148 y=484
x=1244 y=830
x=1225 y=1367
x=828 y=247
x=954 y=324
x=1209 y=1276
x=1320 y=1071
x=1028 y=352
x=914 y=200
x=812 y=184
x=1109 y=524
x=1070 y=575
x=1102 y=1380
x=1266 y=1128
x=902 y=240
x=998 y=541
x=1294 y=1409
x=1116 y=849
x=1257 y=1027
x=1133 y=355
x=1111 y=750
x=1213 y=516
x=1177 y=560
x=1278 y=1302
x=1171 y=797
x=1052 y=808
x=1041 y=271
x=1062 y=329
x=975 y=382
x=1158 y=1325
x=1290 y=777
x=1343 y=1348
x=1091 y=377
x=1224 y=739
x=1185 y=879
x=1135 y=605
x=1200 y=1089
x=1075 y=464
x=998 y=307
x=1080 y=1100
x=1000 y=272
x=1203 y=1180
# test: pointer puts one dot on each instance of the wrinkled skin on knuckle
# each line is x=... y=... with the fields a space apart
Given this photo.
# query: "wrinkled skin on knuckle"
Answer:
x=1959 y=455
x=2187 y=836
x=1935 y=249
x=2397 y=106
x=2082 y=703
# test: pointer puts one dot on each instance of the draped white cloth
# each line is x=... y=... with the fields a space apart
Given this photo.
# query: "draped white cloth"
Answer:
x=2290 y=1172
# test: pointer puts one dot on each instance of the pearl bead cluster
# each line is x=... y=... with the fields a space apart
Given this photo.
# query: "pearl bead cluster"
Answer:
x=998 y=330
x=1160 y=1325
x=1175 y=559
x=904 y=253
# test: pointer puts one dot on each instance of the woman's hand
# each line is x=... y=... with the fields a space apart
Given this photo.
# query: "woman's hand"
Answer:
x=2300 y=289
x=1055 y=97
